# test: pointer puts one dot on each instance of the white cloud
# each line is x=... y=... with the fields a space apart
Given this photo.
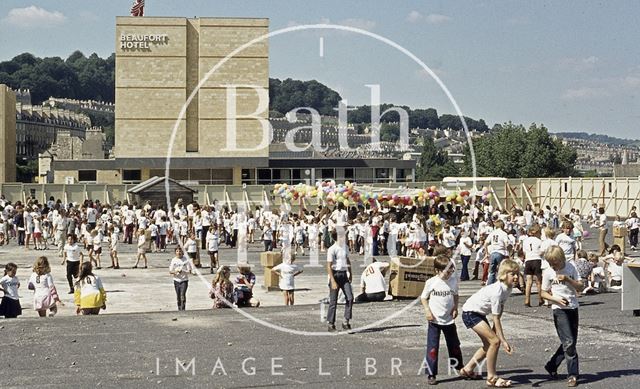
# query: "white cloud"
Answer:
x=632 y=81
x=417 y=17
x=578 y=64
x=363 y=24
x=584 y=93
x=32 y=16
x=414 y=17
x=437 y=19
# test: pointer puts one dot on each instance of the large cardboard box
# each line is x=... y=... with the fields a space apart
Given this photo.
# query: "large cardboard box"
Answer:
x=271 y=280
x=619 y=232
x=408 y=275
x=270 y=258
x=620 y=238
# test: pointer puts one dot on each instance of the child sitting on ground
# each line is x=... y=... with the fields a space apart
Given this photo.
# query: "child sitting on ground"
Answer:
x=597 y=276
x=245 y=281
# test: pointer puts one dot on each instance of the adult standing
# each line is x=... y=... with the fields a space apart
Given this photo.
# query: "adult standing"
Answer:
x=60 y=224
x=634 y=226
x=465 y=247
x=339 y=270
x=206 y=224
x=602 y=226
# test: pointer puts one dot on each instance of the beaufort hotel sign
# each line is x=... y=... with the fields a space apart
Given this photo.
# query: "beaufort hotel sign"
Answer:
x=142 y=41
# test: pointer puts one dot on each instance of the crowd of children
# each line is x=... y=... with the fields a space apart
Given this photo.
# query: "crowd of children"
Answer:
x=513 y=249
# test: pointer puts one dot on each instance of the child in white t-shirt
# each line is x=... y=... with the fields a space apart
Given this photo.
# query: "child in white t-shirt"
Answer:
x=10 y=306
x=114 y=237
x=440 y=301
x=154 y=236
x=287 y=272
x=614 y=270
x=213 y=242
x=490 y=300
x=191 y=247
x=142 y=243
x=560 y=285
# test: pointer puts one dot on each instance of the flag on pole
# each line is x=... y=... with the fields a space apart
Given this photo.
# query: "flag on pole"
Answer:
x=138 y=8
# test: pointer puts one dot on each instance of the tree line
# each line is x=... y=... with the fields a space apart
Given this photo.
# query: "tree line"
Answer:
x=508 y=150
x=77 y=77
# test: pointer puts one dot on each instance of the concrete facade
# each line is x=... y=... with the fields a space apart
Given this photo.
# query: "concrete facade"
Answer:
x=160 y=61
x=7 y=134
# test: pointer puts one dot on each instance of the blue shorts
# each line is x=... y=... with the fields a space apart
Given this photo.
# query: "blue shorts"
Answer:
x=471 y=319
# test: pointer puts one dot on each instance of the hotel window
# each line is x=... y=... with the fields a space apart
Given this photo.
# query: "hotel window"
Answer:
x=131 y=175
x=264 y=176
x=87 y=176
x=349 y=174
x=327 y=173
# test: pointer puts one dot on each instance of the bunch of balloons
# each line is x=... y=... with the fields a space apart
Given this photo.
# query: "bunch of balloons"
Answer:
x=486 y=193
x=348 y=195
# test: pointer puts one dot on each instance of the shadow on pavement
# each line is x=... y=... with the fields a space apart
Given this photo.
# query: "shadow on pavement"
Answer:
x=380 y=329
x=536 y=379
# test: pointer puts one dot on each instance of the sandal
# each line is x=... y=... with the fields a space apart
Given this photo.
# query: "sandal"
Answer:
x=497 y=382
x=466 y=375
x=572 y=381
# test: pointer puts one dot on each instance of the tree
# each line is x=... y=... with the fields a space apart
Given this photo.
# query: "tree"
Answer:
x=290 y=94
x=511 y=151
x=424 y=118
x=434 y=164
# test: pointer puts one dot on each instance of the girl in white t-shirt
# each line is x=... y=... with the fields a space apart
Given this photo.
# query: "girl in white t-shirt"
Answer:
x=10 y=306
x=142 y=243
x=45 y=296
x=191 y=247
x=37 y=233
x=96 y=241
x=251 y=226
x=287 y=272
x=213 y=243
x=490 y=300
x=114 y=236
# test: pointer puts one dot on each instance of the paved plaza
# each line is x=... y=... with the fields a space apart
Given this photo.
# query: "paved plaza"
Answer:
x=139 y=339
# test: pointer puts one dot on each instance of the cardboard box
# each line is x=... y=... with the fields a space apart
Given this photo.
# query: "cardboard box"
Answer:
x=619 y=232
x=408 y=275
x=271 y=280
x=270 y=258
x=622 y=242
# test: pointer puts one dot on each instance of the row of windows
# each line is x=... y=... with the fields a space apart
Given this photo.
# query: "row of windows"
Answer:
x=263 y=176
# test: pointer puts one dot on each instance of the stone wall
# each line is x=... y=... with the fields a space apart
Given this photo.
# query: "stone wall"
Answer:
x=7 y=134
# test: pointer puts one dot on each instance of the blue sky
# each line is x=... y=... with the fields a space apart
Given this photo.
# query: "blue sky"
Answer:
x=572 y=65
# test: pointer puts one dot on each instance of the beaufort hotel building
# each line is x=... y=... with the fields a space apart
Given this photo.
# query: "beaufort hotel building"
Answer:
x=159 y=63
